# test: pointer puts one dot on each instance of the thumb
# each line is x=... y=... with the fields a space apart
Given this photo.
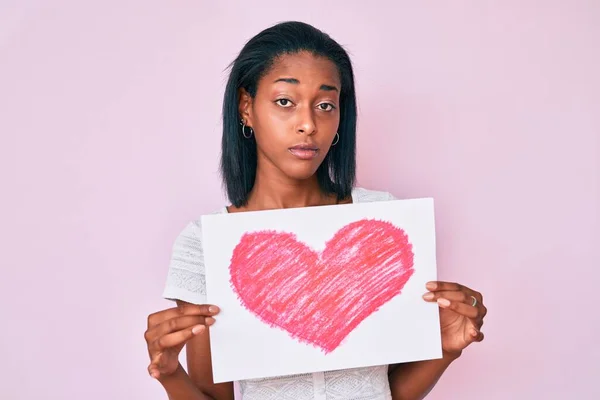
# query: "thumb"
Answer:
x=474 y=335
x=154 y=367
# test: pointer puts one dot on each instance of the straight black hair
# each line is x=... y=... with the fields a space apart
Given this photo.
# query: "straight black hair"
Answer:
x=337 y=173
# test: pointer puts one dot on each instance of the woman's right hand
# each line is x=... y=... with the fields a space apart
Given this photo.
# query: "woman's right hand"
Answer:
x=169 y=330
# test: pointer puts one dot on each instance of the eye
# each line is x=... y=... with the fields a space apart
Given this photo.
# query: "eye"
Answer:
x=326 y=107
x=283 y=103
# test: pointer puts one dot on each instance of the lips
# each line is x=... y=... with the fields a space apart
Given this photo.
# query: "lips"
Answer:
x=304 y=151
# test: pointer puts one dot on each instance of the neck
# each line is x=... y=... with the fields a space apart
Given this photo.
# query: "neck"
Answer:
x=269 y=193
x=273 y=190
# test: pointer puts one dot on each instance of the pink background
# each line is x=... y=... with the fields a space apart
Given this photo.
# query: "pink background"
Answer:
x=109 y=116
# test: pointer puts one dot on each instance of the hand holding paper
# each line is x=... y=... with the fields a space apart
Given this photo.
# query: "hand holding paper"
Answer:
x=461 y=314
x=169 y=330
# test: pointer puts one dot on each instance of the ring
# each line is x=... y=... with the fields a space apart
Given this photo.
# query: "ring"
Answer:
x=474 y=301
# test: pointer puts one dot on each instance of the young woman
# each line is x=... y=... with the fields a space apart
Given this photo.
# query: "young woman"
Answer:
x=289 y=135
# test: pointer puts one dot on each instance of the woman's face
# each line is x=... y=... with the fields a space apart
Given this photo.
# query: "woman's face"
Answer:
x=295 y=114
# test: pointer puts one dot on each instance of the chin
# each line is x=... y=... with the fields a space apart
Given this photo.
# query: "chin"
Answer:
x=301 y=172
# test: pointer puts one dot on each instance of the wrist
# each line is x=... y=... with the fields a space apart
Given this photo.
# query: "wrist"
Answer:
x=175 y=375
x=451 y=355
x=179 y=385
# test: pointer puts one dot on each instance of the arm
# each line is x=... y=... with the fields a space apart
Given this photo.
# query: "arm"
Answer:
x=414 y=380
x=198 y=384
x=461 y=317
x=179 y=386
x=199 y=374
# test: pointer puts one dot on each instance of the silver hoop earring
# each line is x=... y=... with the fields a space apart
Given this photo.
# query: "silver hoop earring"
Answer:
x=244 y=130
x=337 y=139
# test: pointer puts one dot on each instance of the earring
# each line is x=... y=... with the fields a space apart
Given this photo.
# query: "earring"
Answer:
x=337 y=139
x=243 y=124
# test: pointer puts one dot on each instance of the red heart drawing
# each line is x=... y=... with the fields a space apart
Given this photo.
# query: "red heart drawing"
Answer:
x=320 y=297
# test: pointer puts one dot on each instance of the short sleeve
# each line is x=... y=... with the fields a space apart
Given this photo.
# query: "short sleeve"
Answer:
x=362 y=195
x=186 y=278
x=390 y=196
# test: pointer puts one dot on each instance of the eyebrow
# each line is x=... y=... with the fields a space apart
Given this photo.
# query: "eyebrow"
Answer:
x=294 y=81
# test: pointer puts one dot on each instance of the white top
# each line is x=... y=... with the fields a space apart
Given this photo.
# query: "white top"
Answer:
x=186 y=282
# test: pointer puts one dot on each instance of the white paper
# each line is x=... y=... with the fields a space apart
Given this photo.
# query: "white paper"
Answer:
x=245 y=346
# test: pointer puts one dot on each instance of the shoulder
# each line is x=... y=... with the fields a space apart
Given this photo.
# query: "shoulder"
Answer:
x=186 y=276
x=364 y=195
x=193 y=229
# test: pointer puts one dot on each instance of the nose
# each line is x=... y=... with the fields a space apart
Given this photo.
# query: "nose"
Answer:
x=306 y=122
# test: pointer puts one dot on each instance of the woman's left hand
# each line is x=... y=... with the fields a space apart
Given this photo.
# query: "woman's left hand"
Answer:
x=461 y=314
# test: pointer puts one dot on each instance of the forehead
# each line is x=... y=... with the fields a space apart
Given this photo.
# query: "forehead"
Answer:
x=305 y=67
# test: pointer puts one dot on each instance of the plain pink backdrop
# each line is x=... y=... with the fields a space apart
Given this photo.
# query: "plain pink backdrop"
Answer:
x=109 y=122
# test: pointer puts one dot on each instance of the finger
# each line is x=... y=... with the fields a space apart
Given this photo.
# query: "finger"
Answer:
x=459 y=296
x=178 y=338
x=436 y=286
x=459 y=307
x=480 y=324
x=453 y=295
x=176 y=324
x=475 y=335
x=154 y=367
x=480 y=337
x=154 y=373
x=484 y=310
x=206 y=310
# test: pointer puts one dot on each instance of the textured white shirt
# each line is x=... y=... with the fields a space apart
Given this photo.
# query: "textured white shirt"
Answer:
x=186 y=281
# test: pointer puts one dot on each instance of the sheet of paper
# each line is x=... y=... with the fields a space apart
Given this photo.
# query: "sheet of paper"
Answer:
x=321 y=288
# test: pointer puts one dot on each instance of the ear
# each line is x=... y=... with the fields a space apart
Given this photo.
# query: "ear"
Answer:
x=245 y=106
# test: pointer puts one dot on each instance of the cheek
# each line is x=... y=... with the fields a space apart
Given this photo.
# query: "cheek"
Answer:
x=269 y=134
x=328 y=126
x=272 y=127
x=262 y=116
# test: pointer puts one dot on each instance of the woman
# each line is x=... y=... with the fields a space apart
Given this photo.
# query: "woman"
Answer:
x=289 y=124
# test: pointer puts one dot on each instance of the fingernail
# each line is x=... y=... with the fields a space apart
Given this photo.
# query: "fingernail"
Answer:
x=428 y=296
x=431 y=285
x=197 y=329
x=209 y=320
x=474 y=333
x=154 y=374
x=443 y=302
x=213 y=309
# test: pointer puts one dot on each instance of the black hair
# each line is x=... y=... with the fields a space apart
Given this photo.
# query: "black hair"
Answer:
x=337 y=173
